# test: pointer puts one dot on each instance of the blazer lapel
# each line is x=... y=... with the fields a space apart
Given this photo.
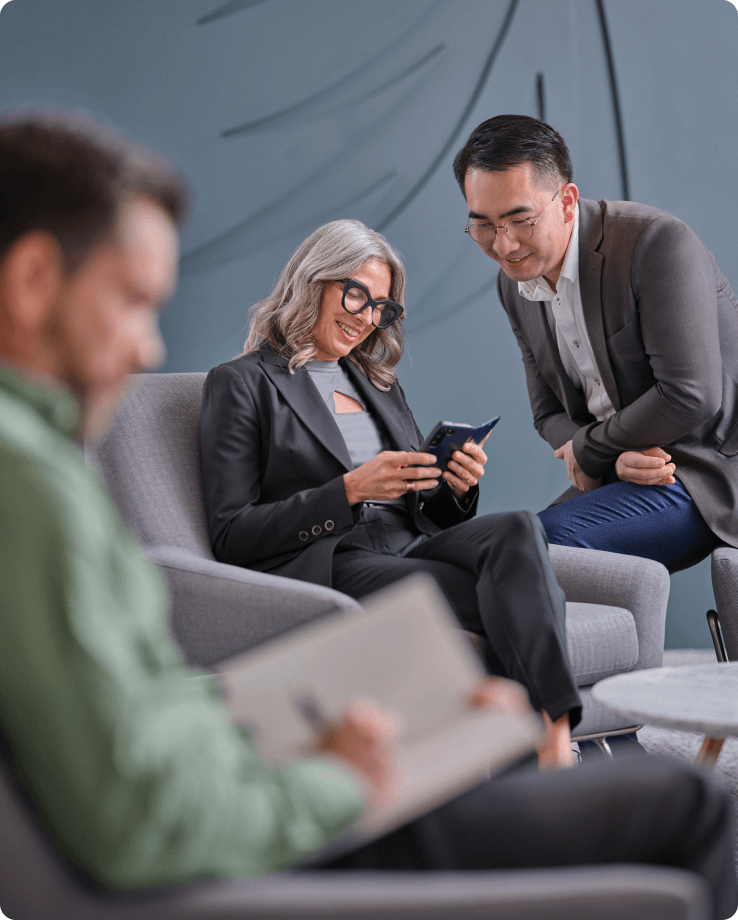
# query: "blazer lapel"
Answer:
x=397 y=422
x=548 y=358
x=590 y=285
x=303 y=397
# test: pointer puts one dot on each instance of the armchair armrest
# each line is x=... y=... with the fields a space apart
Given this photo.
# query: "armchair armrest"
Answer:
x=605 y=893
x=217 y=610
x=592 y=576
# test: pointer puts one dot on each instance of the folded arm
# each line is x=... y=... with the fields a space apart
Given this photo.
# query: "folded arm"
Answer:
x=674 y=284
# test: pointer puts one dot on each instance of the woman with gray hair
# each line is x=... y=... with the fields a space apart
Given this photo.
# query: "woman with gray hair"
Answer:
x=312 y=470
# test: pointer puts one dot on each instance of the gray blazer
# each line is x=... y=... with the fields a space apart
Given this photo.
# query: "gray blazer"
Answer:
x=663 y=323
x=273 y=460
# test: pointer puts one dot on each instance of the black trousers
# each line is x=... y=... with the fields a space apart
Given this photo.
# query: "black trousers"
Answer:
x=497 y=577
x=653 y=810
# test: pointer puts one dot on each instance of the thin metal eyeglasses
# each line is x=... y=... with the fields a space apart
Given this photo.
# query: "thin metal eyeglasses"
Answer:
x=518 y=229
x=356 y=297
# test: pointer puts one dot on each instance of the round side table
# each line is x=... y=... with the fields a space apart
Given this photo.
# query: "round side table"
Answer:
x=699 y=698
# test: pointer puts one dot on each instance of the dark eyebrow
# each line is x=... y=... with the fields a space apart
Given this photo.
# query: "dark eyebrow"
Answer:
x=521 y=209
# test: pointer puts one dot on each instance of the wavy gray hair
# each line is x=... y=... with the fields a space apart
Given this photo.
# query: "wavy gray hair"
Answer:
x=285 y=319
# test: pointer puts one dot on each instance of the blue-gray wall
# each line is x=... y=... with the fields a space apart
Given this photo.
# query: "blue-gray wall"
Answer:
x=354 y=108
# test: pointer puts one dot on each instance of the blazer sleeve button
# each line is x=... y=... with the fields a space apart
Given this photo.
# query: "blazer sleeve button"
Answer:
x=329 y=525
x=317 y=530
x=421 y=505
x=304 y=535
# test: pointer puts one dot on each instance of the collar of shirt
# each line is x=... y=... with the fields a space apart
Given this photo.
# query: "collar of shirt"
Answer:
x=52 y=402
x=539 y=288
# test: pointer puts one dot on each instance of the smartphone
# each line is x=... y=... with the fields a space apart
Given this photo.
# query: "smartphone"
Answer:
x=448 y=437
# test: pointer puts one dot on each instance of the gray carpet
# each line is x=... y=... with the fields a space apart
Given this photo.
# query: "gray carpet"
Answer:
x=685 y=745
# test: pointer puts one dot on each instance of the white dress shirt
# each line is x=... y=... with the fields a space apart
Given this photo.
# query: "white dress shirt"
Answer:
x=566 y=321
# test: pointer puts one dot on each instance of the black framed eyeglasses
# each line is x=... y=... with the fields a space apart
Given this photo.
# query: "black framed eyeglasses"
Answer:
x=517 y=228
x=356 y=298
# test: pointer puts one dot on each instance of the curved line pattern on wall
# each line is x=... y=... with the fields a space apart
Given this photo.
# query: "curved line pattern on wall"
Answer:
x=312 y=197
x=455 y=308
x=541 y=96
x=309 y=108
x=615 y=99
x=254 y=234
x=235 y=6
x=425 y=178
x=279 y=220
x=306 y=106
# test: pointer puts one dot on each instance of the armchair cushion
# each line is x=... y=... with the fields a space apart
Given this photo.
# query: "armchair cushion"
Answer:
x=591 y=576
x=601 y=641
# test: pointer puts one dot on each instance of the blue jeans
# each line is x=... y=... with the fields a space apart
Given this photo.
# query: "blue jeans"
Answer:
x=655 y=522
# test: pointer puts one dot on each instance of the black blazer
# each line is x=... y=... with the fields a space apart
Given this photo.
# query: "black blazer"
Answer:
x=663 y=323
x=273 y=461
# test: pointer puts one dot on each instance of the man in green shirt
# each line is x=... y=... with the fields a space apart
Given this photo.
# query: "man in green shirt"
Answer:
x=134 y=769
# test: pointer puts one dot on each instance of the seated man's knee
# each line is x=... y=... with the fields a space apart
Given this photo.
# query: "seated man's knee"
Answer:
x=557 y=526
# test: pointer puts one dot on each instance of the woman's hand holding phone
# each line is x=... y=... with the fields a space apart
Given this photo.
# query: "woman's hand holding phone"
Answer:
x=390 y=474
x=466 y=467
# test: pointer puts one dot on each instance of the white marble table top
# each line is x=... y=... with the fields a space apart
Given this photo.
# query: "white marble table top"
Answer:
x=698 y=697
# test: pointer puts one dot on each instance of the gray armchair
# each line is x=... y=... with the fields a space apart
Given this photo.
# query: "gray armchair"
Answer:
x=150 y=461
x=627 y=634
x=37 y=884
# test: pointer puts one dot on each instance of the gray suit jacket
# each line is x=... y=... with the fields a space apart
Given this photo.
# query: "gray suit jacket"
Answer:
x=273 y=462
x=663 y=323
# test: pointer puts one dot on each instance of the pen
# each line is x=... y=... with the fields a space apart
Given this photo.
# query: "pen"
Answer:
x=311 y=711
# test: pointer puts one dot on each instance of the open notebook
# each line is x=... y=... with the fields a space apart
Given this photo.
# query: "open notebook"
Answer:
x=404 y=652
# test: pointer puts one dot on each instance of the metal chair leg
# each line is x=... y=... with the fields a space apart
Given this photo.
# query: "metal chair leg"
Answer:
x=713 y=621
x=601 y=740
x=603 y=746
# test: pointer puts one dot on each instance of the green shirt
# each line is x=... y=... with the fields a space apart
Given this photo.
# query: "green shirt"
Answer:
x=133 y=767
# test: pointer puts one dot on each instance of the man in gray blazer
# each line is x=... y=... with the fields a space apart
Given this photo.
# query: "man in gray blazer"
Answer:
x=629 y=336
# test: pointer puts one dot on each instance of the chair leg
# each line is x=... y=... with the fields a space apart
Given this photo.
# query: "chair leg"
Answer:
x=713 y=621
x=601 y=740
x=603 y=746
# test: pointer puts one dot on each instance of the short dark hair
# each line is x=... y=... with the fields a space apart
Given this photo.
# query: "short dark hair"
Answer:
x=509 y=140
x=68 y=174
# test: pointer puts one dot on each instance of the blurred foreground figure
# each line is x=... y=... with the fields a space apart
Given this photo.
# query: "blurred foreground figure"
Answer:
x=134 y=770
